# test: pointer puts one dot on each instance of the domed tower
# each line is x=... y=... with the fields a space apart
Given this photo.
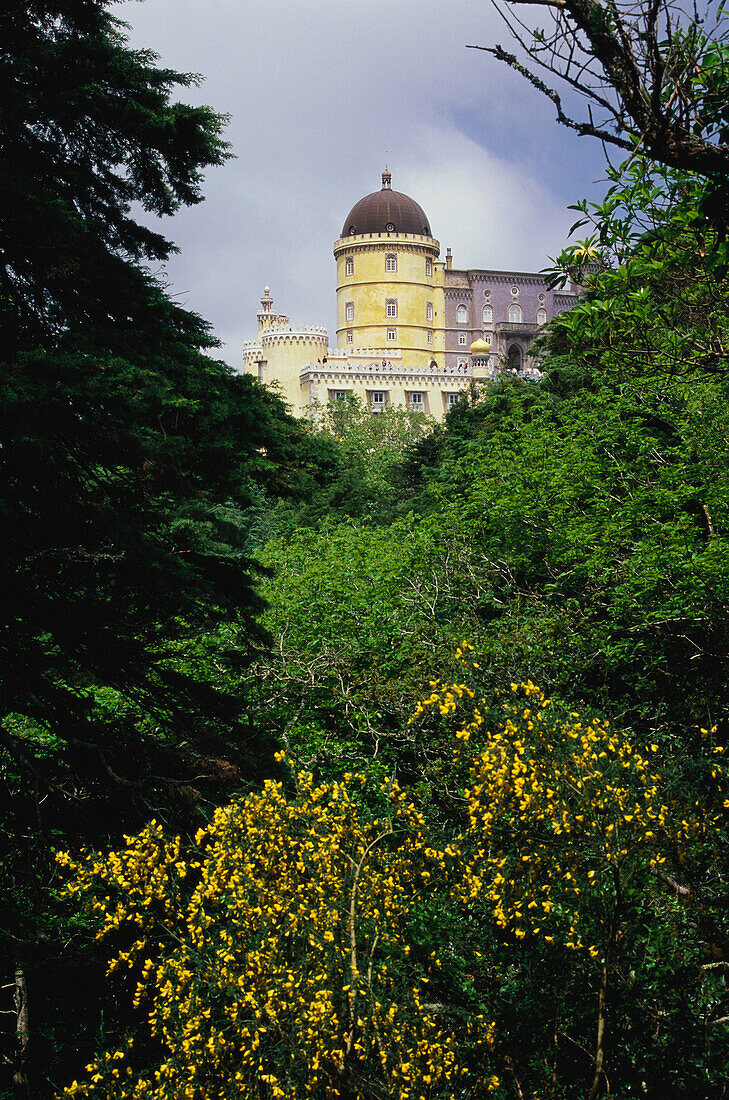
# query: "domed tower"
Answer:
x=387 y=277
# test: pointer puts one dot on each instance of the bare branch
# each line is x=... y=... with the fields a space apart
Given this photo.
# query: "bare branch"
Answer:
x=640 y=63
x=581 y=127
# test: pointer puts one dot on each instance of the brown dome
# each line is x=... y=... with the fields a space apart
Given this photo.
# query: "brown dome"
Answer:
x=386 y=211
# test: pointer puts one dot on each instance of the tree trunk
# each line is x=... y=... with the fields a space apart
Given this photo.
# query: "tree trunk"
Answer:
x=22 y=1039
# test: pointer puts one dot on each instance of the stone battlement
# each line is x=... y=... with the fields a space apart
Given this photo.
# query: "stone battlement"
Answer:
x=358 y=354
x=379 y=369
x=317 y=331
x=315 y=335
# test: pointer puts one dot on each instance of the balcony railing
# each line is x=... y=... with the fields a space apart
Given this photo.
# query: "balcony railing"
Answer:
x=527 y=328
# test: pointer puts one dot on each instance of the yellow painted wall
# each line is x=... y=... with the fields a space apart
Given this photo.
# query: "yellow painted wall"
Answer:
x=371 y=285
x=282 y=357
x=318 y=388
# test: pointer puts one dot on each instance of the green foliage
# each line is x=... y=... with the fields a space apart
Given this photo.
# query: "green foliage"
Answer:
x=128 y=467
x=336 y=940
x=656 y=308
x=130 y=460
x=579 y=540
x=354 y=454
x=355 y=611
x=193 y=577
x=89 y=127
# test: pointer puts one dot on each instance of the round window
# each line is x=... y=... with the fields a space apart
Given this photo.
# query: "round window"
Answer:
x=390 y=227
x=352 y=230
x=515 y=292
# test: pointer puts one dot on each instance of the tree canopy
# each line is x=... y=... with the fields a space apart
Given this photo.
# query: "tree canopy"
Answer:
x=129 y=460
x=478 y=886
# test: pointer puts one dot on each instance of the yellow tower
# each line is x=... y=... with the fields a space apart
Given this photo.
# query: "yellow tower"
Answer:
x=389 y=283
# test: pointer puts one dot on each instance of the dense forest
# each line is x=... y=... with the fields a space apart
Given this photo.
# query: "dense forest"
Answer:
x=380 y=758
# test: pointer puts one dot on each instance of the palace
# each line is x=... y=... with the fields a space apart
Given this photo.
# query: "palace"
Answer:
x=412 y=330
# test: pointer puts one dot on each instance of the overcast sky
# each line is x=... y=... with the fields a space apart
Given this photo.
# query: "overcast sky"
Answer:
x=322 y=94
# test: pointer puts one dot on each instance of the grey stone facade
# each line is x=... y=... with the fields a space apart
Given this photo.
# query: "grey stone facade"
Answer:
x=514 y=298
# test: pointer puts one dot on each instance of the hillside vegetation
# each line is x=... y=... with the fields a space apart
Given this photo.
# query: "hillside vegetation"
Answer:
x=381 y=759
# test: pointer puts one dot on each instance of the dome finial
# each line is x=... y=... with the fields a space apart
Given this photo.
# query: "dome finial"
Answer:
x=386 y=179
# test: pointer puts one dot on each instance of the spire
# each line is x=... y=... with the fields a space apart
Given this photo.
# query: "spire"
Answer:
x=386 y=179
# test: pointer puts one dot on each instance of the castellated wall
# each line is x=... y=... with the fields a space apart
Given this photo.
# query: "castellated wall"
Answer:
x=279 y=356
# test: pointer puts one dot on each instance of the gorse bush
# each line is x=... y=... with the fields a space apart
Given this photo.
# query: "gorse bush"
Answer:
x=294 y=949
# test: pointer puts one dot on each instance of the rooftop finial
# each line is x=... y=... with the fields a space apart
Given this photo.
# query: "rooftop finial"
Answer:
x=386 y=179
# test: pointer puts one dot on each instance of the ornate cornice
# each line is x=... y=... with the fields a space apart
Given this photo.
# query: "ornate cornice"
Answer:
x=378 y=242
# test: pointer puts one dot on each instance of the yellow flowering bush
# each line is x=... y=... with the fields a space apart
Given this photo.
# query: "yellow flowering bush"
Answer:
x=557 y=807
x=574 y=866
x=274 y=962
x=288 y=952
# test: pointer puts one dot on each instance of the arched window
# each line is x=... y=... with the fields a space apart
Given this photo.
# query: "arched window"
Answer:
x=515 y=357
x=391 y=307
x=487 y=314
x=462 y=339
x=350 y=311
x=541 y=316
x=428 y=267
x=428 y=311
x=390 y=262
x=349 y=265
x=515 y=315
x=462 y=315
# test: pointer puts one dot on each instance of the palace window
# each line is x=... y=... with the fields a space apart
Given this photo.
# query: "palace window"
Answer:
x=462 y=339
x=430 y=336
x=350 y=311
x=350 y=336
x=392 y=334
x=541 y=316
x=339 y=395
x=452 y=399
x=391 y=307
x=428 y=311
x=487 y=315
x=349 y=265
x=417 y=402
x=378 y=400
x=390 y=262
x=515 y=315
x=462 y=315
x=428 y=267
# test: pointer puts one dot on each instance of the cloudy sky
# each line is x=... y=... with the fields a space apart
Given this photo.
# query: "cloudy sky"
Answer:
x=322 y=94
